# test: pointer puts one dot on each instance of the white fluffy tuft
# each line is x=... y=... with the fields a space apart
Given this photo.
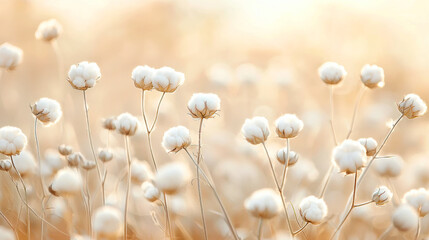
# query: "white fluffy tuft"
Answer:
x=419 y=199
x=256 y=130
x=127 y=124
x=313 y=209
x=150 y=192
x=12 y=140
x=332 y=73
x=412 y=106
x=84 y=75
x=176 y=139
x=349 y=156
x=47 y=111
x=66 y=182
x=166 y=79
x=10 y=56
x=25 y=163
x=172 y=177
x=382 y=195
x=107 y=222
x=390 y=166
x=48 y=30
x=288 y=126
x=372 y=76
x=264 y=203
x=203 y=105
x=405 y=218
x=142 y=77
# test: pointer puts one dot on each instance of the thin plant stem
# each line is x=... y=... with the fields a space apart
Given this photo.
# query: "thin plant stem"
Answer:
x=385 y=233
x=418 y=229
x=9 y=223
x=88 y=128
x=301 y=229
x=42 y=183
x=200 y=197
x=279 y=188
x=88 y=196
x=286 y=164
x=261 y=221
x=157 y=112
x=211 y=185
x=326 y=180
x=331 y=120
x=363 y=204
x=127 y=196
x=296 y=218
x=351 y=208
x=356 y=107
x=26 y=198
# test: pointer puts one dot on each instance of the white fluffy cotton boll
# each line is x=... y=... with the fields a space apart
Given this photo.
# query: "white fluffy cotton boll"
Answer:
x=382 y=195
x=203 y=105
x=313 y=209
x=390 y=166
x=66 y=182
x=127 y=124
x=256 y=130
x=419 y=199
x=140 y=171
x=105 y=155
x=171 y=177
x=5 y=165
x=332 y=73
x=150 y=192
x=264 y=203
x=372 y=76
x=10 y=56
x=412 y=106
x=47 y=111
x=176 y=139
x=405 y=218
x=282 y=156
x=248 y=73
x=142 y=77
x=370 y=145
x=25 y=163
x=166 y=79
x=349 y=156
x=288 y=126
x=7 y=233
x=48 y=30
x=84 y=75
x=12 y=140
x=107 y=222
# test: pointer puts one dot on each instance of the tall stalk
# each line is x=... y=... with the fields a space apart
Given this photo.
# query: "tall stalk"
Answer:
x=198 y=181
x=26 y=198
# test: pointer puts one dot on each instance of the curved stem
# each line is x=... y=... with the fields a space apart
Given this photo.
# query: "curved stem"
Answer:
x=26 y=198
x=286 y=164
x=331 y=120
x=363 y=204
x=88 y=203
x=88 y=128
x=326 y=180
x=127 y=196
x=42 y=183
x=200 y=198
x=260 y=229
x=418 y=229
x=301 y=229
x=157 y=112
x=385 y=233
x=357 y=103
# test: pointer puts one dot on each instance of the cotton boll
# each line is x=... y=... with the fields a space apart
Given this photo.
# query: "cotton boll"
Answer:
x=109 y=123
x=372 y=76
x=405 y=218
x=66 y=182
x=412 y=106
x=203 y=105
x=172 y=177
x=105 y=155
x=88 y=165
x=84 y=75
x=370 y=145
x=25 y=163
x=7 y=233
x=419 y=199
x=332 y=73
x=75 y=159
x=256 y=130
x=127 y=124
x=107 y=222
x=176 y=139
x=264 y=203
x=10 y=56
x=349 y=156
x=150 y=192
x=390 y=166
x=5 y=165
x=65 y=150
x=282 y=156
x=47 y=111
x=142 y=77
x=288 y=126
x=48 y=30
x=54 y=160
x=248 y=73
x=313 y=209
x=382 y=195
x=12 y=141
x=140 y=171
x=167 y=79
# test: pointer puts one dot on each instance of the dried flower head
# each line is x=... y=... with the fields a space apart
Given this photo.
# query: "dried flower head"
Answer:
x=65 y=150
x=140 y=171
x=332 y=73
x=107 y=222
x=203 y=105
x=105 y=155
x=75 y=159
x=167 y=79
x=264 y=203
x=84 y=75
x=389 y=166
x=172 y=177
x=127 y=124
x=349 y=156
x=412 y=106
x=48 y=30
x=142 y=77
x=66 y=182
x=288 y=126
x=109 y=123
x=54 y=160
x=5 y=165
x=150 y=192
x=47 y=111
x=382 y=195
x=313 y=209
x=370 y=145
x=10 y=56
x=25 y=163
x=372 y=76
x=256 y=130
x=419 y=199
x=176 y=139
x=282 y=156
x=12 y=141
x=88 y=165
x=405 y=218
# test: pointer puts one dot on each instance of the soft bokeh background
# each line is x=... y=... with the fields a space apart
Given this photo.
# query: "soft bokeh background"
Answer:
x=261 y=58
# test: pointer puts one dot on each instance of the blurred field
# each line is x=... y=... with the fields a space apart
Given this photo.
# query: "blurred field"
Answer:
x=208 y=40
